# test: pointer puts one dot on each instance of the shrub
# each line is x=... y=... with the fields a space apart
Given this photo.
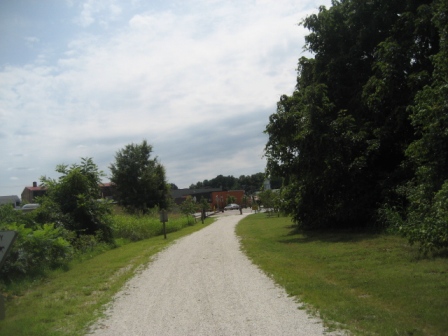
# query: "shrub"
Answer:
x=36 y=250
x=424 y=221
x=72 y=201
x=427 y=223
x=188 y=208
x=8 y=215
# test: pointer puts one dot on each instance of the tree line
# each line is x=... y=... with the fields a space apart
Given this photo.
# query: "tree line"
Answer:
x=249 y=183
x=72 y=201
x=362 y=141
x=72 y=218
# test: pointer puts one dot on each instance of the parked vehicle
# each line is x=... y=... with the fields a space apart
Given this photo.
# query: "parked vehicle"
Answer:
x=29 y=207
x=232 y=206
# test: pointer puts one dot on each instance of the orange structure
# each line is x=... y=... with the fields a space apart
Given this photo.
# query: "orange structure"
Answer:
x=219 y=198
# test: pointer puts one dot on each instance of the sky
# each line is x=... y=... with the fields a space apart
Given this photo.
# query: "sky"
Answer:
x=196 y=79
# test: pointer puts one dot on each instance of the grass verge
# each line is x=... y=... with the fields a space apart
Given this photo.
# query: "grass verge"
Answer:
x=67 y=302
x=367 y=284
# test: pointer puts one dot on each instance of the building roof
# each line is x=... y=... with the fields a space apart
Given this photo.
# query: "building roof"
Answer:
x=107 y=184
x=9 y=199
x=177 y=193
x=36 y=188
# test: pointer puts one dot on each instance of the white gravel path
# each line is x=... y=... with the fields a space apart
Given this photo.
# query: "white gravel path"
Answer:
x=204 y=285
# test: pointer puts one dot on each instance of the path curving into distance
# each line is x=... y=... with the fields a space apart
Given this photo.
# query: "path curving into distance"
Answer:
x=204 y=285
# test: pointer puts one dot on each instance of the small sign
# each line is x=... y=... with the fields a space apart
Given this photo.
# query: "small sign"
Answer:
x=163 y=216
x=163 y=219
x=7 y=238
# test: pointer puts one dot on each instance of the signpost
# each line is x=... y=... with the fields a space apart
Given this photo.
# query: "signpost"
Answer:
x=163 y=219
x=7 y=238
x=203 y=215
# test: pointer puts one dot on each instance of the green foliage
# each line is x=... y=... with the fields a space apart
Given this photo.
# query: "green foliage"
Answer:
x=203 y=204
x=270 y=200
x=220 y=181
x=85 y=245
x=424 y=219
x=188 y=208
x=8 y=215
x=427 y=222
x=366 y=128
x=140 y=181
x=38 y=247
x=423 y=214
x=249 y=183
x=72 y=201
x=139 y=227
x=36 y=250
x=136 y=227
x=67 y=302
x=230 y=199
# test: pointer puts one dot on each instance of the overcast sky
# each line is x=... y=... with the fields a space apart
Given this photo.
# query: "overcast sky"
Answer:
x=197 y=79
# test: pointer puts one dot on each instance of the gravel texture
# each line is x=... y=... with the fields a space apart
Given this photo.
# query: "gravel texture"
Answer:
x=204 y=285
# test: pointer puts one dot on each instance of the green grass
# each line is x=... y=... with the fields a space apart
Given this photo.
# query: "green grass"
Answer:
x=367 y=284
x=66 y=302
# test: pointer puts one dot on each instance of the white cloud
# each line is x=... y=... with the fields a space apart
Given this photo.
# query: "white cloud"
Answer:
x=197 y=79
x=100 y=11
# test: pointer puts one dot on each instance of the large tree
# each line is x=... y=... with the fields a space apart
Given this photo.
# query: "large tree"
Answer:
x=423 y=214
x=140 y=181
x=340 y=139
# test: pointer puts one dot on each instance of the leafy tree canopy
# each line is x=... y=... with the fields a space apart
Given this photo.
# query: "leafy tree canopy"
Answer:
x=367 y=116
x=140 y=181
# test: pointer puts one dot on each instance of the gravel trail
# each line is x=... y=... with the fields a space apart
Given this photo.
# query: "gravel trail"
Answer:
x=204 y=285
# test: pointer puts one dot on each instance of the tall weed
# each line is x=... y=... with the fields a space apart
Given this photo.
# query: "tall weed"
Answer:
x=139 y=227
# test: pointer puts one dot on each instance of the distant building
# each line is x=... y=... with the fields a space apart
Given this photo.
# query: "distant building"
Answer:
x=180 y=195
x=219 y=198
x=108 y=190
x=29 y=194
x=13 y=199
x=216 y=197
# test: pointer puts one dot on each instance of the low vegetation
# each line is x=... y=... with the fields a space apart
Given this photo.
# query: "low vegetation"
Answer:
x=138 y=227
x=365 y=283
x=72 y=221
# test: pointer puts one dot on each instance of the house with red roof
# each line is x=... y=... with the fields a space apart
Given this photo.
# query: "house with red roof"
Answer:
x=29 y=194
